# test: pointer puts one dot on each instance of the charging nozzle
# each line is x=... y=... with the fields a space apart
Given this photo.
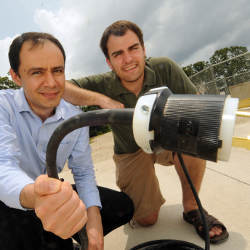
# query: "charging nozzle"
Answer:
x=197 y=125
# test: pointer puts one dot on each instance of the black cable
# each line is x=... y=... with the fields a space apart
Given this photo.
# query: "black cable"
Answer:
x=205 y=227
x=167 y=245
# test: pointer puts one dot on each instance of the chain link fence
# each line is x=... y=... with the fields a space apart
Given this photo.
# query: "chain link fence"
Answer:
x=220 y=78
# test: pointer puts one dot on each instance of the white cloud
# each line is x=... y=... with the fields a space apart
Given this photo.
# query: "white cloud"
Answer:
x=4 y=49
x=64 y=25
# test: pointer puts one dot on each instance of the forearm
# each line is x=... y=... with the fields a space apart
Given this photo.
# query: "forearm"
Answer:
x=94 y=228
x=83 y=97
x=94 y=214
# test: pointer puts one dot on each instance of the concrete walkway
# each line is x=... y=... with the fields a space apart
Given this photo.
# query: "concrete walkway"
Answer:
x=225 y=193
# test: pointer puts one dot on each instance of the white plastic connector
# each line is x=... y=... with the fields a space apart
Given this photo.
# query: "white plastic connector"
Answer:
x=141 y=120
x=227 y=128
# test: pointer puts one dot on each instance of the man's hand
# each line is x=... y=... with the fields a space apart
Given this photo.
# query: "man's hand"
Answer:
x=56 y=204
x=94 y=229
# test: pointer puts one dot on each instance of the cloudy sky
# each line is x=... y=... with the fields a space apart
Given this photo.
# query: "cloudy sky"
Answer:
x=184 y=30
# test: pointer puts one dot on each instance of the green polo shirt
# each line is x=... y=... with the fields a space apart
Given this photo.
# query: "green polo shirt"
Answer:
x=158 y=72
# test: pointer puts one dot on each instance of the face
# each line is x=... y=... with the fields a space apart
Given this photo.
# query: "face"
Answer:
x=41 y=74
x=126 y=57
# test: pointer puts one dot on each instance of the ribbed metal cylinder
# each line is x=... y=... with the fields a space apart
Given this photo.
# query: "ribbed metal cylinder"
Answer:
x=191 y=124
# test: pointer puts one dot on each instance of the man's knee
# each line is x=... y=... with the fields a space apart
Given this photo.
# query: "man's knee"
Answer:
x=149 y=220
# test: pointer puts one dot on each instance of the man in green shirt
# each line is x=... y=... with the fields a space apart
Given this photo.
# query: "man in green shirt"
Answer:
x=132 y=75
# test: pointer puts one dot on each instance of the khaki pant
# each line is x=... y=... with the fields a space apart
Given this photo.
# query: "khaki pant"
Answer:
x=135 y=176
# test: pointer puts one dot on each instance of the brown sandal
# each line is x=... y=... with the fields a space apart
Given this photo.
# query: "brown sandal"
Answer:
x=193 y=217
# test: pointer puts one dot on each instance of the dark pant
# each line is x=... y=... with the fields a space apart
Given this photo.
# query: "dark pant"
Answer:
x=22 y=230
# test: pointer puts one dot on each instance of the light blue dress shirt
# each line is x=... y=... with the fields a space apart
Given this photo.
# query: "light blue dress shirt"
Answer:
x=23 y=143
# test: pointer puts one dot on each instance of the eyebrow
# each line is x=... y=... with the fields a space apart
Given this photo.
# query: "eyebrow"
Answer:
x=116 y=52
x=34 y=69
x=134 y=45
x=43 y=69
x=58 y=67
x=130 y=47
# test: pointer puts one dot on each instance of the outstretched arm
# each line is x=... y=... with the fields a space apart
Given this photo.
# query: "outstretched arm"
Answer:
x=82 y=97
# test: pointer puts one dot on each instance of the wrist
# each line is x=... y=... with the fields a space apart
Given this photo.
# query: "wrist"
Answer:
x=100 y=99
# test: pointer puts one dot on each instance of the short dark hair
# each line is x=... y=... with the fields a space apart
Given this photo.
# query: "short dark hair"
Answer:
x=36 y=38
x=119 y=28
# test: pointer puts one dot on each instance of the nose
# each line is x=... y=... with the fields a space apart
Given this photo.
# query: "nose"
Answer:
x=50 y=80
x=127 y=57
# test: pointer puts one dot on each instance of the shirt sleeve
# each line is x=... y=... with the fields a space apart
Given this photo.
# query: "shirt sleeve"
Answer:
x=80 y=162
x=181 y=84
x=185 y=84
x=169 y=73
x=12 y=178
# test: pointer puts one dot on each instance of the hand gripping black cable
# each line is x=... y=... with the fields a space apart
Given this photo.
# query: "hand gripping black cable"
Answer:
x=93 y=118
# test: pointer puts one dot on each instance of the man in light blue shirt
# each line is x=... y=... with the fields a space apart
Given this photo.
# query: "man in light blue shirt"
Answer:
x=24 y=137
x=30 y=201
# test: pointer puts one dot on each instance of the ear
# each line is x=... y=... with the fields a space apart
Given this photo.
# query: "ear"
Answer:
x=15 y=77
x=109 y=63
x=144 y=50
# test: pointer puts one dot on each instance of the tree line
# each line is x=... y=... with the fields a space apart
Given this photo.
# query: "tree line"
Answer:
x=229 y=68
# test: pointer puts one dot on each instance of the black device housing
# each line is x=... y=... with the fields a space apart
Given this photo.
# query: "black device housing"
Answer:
x=187 y=123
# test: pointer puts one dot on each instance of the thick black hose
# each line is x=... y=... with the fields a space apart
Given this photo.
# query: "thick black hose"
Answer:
x=92 y=118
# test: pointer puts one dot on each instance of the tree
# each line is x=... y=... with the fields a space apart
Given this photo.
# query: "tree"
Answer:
x=227 y=53
x=188 y=70
x=232 y=65
x=6 y=83
x=192 y=69
x=199 y=66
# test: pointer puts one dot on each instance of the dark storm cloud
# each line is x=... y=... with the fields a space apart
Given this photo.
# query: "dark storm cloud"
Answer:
x=186 y=31
x=195 y=25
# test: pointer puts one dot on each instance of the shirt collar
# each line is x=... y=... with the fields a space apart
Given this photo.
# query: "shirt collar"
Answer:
x=21 y=102
x=23 y=106
x=149 y=75
x=118 y=89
